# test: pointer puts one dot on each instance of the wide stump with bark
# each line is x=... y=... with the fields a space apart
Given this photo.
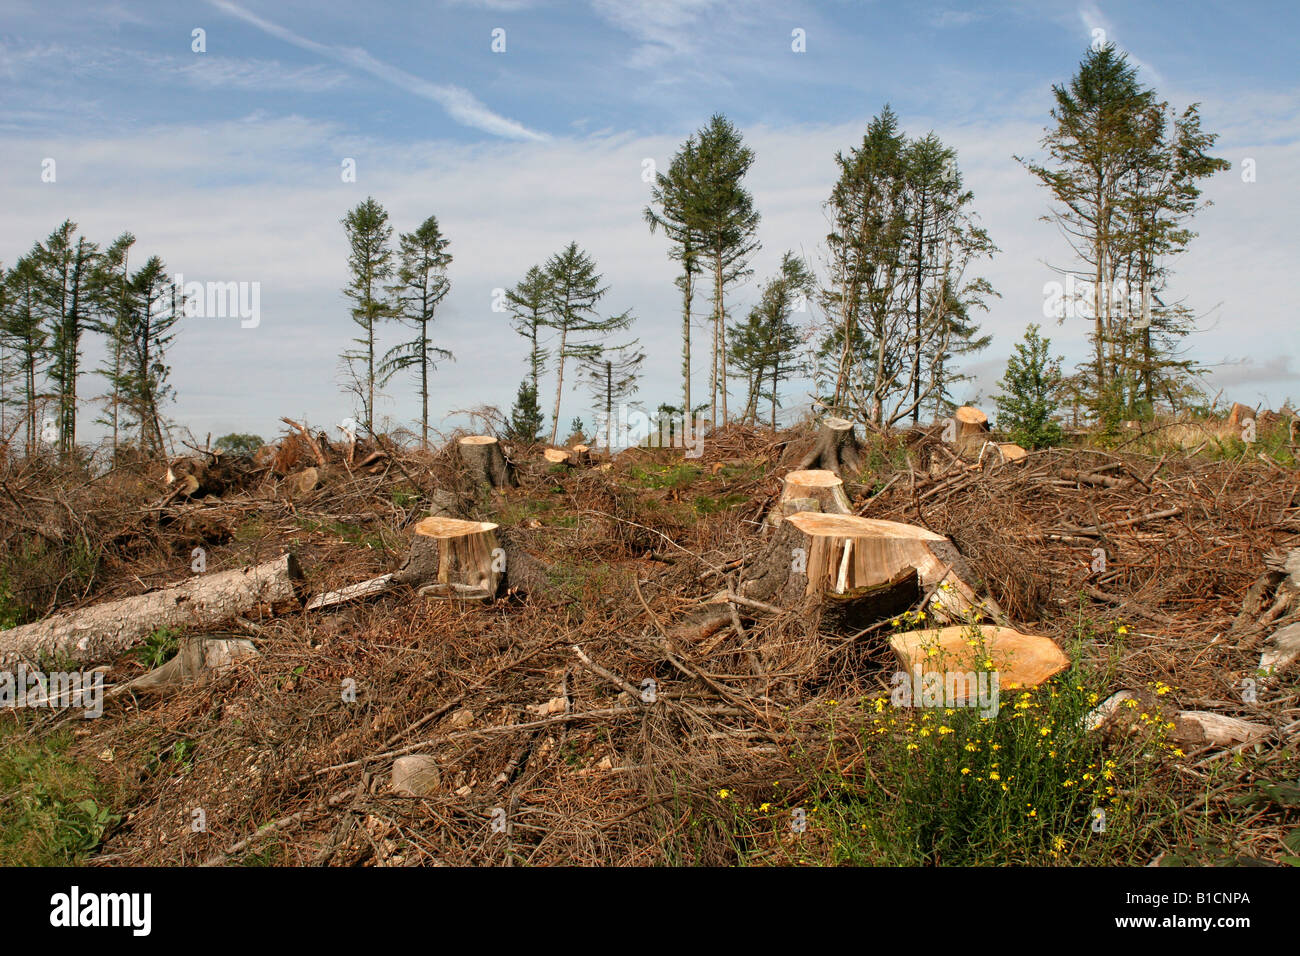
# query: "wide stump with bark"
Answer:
x=486 y=461
x=813 y=554
x=836 y=449
x=454 y=559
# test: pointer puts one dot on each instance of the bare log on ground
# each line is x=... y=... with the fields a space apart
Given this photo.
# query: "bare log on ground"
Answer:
x=102 y=631
x=1019 y=660
x=199 y=658
x=451 y=558
x=836 y=449
x=486 y=461
x=813 y=553
x=353 y=592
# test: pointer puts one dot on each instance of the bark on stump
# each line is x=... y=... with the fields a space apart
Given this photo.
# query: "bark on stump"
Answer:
x=486 y=461
x=835 y=449
x=454 y=559
x=972 y=428
x=815 y=553
x=103 y=631
x=815 y=490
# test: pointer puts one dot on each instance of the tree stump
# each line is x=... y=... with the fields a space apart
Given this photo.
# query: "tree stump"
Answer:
x=972 y=428
x=816 y=490
x=835 y=449
x=813 y=554
x=559 y=456
x=1239 y=414
x=486 y=461
x=454 y=559
x=199 y=658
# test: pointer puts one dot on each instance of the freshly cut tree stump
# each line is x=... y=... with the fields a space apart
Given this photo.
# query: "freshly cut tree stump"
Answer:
x=836 y=448
x=102 y=631
x=559 y=456
x=304 y=482
x=454 y=559
x=812 y=554
x=824 y=487
x=1020 y=660
x=972 y=428
x=1001 y=452
x=486 y=461
x=199 y=658
x=1239 y=414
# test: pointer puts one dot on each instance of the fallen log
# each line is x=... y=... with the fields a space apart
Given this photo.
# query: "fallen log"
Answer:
x=486 y=461
x=103 y=631
x=835 y=449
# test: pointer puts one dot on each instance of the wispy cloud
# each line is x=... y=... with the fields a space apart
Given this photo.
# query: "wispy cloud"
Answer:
x=460 y=104
x=1093 y=19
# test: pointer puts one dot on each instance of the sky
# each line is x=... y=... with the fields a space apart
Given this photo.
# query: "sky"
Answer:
x=525 y=124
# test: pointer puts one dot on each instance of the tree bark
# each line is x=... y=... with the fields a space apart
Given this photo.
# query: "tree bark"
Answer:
x=483 y=455
x=103 y=631
x=836 y=449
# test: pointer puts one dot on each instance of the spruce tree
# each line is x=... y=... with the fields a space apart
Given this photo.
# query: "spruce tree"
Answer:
x=422 y=284
x=370 y=261
x=1031 y=393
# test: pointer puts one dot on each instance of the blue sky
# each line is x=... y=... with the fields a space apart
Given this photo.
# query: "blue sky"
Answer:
x=226 y=163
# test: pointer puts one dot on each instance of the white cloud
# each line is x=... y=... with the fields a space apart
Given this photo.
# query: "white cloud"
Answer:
x=460 y=104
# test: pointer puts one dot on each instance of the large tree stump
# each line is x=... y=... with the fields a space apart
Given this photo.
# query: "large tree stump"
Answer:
x=454 y=559
x=102 y=631
x=835 y=449
x=972 y=427
x=815 y=553
x=486 y=461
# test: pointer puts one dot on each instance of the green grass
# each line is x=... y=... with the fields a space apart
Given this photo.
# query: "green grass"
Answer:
x=52 y=811
x=664 y=476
